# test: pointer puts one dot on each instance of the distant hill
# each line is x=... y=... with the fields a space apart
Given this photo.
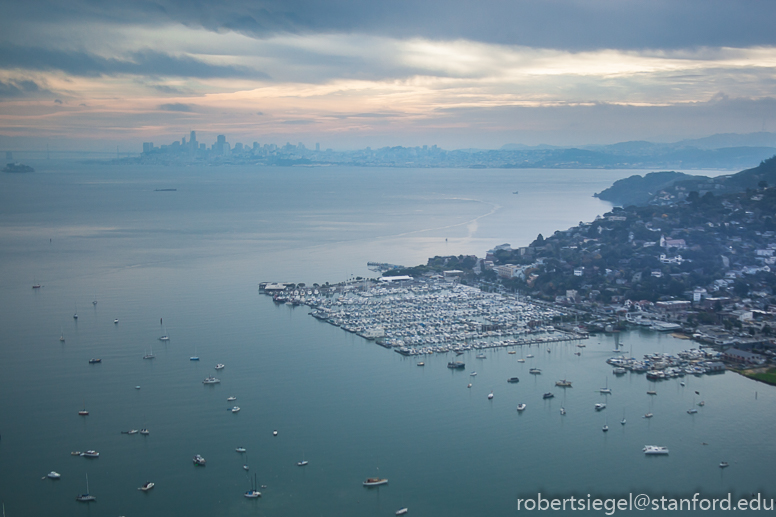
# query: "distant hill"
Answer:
x=722 y=151
x=638 y=190
x=669 y=187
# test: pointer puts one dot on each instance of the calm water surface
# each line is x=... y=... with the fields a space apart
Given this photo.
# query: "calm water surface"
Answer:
x=194 y=257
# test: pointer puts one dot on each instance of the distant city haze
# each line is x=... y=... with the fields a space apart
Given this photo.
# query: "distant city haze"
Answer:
x=349 y=75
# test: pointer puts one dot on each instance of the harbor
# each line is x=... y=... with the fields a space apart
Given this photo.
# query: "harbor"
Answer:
x=429 y=317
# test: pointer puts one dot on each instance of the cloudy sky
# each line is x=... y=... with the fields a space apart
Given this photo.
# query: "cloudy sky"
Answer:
x=352 y=73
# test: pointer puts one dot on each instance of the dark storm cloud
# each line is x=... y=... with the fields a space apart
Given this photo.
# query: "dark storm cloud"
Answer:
x=90 y=65
x=20 y=89
x=562 y=24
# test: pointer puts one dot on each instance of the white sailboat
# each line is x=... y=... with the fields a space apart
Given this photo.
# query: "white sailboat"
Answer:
x=607 y=390
x=165 y=336
x=62 y=336
x=253 y=493
x=87 y=497
x=150 y=355
x=194 y=357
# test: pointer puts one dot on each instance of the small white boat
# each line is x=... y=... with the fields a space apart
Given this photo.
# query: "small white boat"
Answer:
x=116 y=321
x=199 y=460
x=562 y=411
x=521 y=360
x=648 y=415
x=148 y=485
x=470 y=385
x=132 y=431
x=605 y=428
x=302 y=463
x=529 y=356
x=235 y=409
x=211 y=380
x=692 y=411
x=521 y=407
x=622 y=422
x=472 y=374
x=137 y=387
x=724 y=464
x=53 y=475
x=275 y=432
x=490 y=395
x=421 y=363
x=655 y=450
x=145 y=432
x=375 y=482
x=230 y=399
x=90 y=454
x=240 y=449
x=402 y=511
x=220 y=366
x=600 y=407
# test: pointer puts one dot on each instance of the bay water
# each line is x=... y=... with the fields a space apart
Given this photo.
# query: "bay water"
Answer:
x=186 y=263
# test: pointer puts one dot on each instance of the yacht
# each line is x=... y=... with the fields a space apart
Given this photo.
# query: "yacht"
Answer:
x=302 y=463
x=211 y=380
x=648 y=415
x=94 y=361
x=521 y=360
x=220 y=366
x=145 y=432
x=599 y=407
x=511 y=352
x=535 y=371
x=456 y=365
x=655 y=449
x=421 y=363
x=53 y=475
x=513 y=380
x=116 y=321
x=529 y=356
x=472 y=374
x=235 y=409
x=605 y=428
x=83 y=412
x=132 y=431
x=692 y=411
x=240 y=449
x=562 y=411
x=490 y=395
x=148 y=485
x=230 y=399
x=275 y=432
x=402 y=511
x=199 y=460
x=521 y=407
x=481 y=356
x=724 y=464
x=375 y=482
x=548 y=395
x=652 y=392
x=563 y=383
x=90 y=454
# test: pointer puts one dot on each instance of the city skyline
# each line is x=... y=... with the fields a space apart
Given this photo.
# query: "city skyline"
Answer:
x=349 y=75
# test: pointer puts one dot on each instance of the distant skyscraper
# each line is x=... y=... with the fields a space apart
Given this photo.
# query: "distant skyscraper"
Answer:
x=148 y=147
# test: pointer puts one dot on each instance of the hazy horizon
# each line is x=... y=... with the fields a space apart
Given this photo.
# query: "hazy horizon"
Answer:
x=349 y=74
